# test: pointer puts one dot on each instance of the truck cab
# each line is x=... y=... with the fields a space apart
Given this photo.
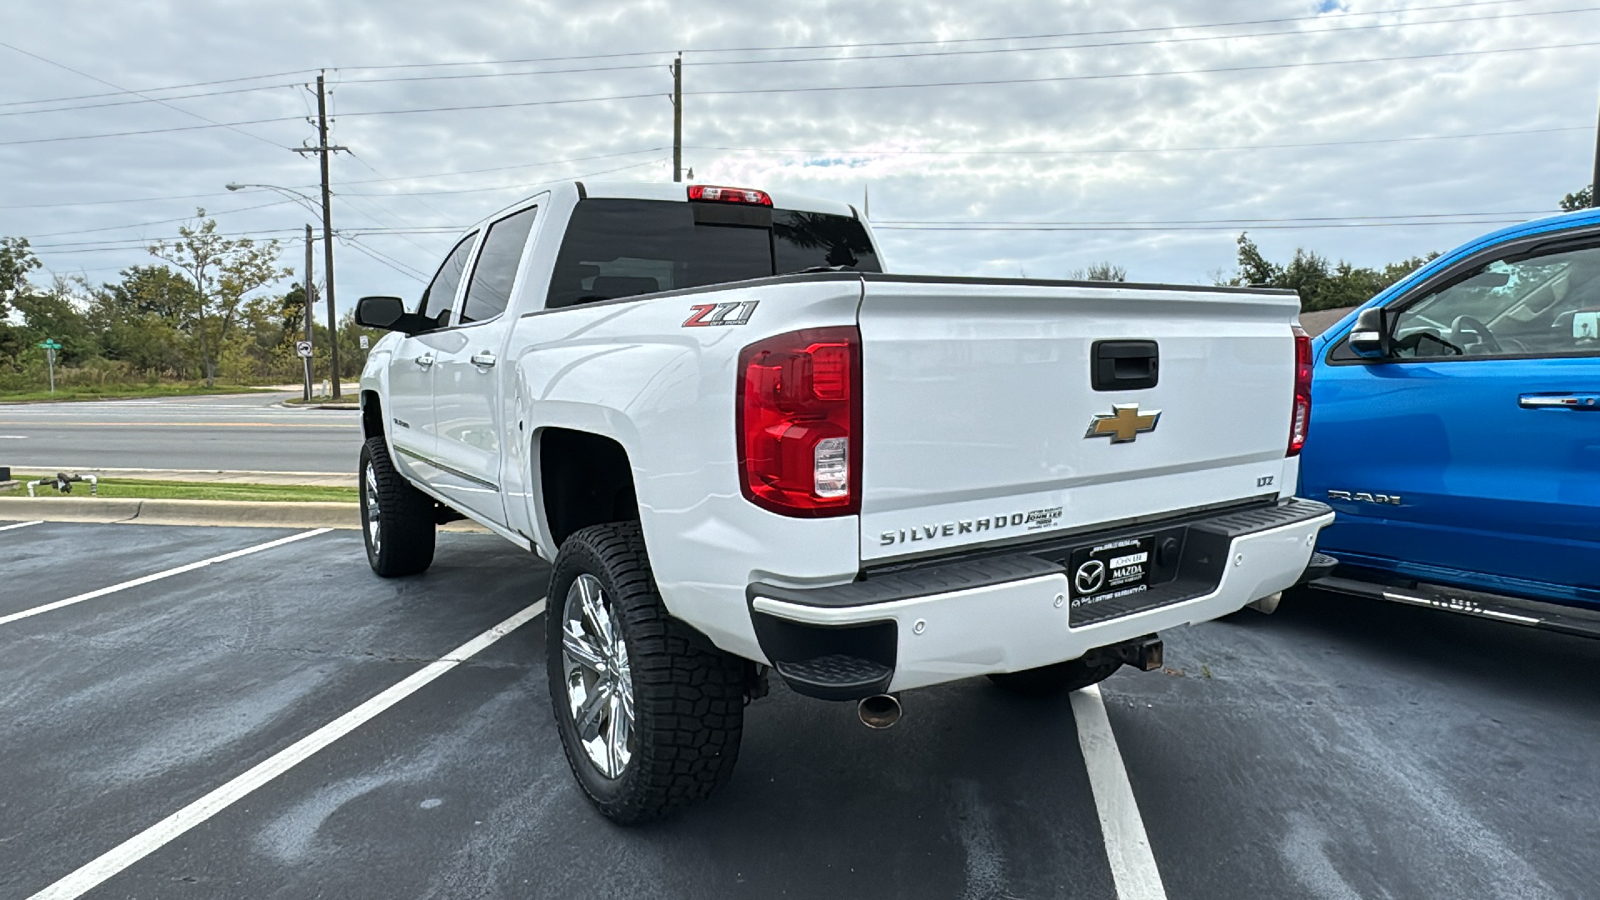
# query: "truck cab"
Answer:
x=1457 y=431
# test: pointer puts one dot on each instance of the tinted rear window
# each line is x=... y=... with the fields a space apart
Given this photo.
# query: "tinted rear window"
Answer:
x=623 y=248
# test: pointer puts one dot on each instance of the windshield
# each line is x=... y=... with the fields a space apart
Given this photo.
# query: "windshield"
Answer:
x=622 y=248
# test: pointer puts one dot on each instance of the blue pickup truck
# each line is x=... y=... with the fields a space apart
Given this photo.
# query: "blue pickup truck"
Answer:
x=1456 y=429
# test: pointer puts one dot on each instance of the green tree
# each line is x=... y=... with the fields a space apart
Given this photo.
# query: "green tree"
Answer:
x=16 y=261
x=222 y=270
x=1578 y=200
x=54 y=314
x=1321 y=283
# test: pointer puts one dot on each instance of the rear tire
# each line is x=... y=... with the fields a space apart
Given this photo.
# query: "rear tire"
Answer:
x=1064 y=676
x=662 y=711
x=396 y=518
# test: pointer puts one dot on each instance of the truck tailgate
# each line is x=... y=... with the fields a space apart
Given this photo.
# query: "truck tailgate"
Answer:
x=979 y=410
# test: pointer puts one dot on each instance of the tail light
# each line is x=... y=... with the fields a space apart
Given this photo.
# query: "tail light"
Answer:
x=729 y=195
x=1300 y=419
x=799 y=422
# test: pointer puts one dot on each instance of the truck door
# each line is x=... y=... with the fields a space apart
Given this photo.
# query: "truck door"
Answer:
x=410 y=400
x=1470 y=452
x=467 y=375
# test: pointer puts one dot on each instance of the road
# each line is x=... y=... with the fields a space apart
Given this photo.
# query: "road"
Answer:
x=235 y=432
x=1340 y=748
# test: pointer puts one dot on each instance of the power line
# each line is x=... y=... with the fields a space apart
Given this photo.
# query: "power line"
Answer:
x=1117 y=75
x=789 y=48
x=985 y=51
x=507 y=187
x=220 y=212
x=986 y=82
x=929 y=41
x=552 y=162
x=1057 y=79
x=161 y=100
x=213 y=122
x=157 y=90
x=1121 y=150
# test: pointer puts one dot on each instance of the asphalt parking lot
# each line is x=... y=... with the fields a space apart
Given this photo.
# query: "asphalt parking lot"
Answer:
x=1337 y=749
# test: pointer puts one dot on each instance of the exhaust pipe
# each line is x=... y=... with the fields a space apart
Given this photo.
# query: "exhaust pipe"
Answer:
x=879 y=711
x=1267 y=604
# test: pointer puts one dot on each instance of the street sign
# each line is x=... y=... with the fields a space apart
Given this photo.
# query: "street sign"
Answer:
x=50 y=344
x=363 y=342
x=302 y=349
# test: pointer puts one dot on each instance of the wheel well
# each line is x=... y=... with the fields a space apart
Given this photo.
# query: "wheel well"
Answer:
x=585 y=479
x=371 y=415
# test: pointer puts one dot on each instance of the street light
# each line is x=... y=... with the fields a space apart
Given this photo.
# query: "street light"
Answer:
x=333 y=322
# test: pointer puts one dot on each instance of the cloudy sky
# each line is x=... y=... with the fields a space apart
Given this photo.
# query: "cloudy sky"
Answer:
x=996 y=138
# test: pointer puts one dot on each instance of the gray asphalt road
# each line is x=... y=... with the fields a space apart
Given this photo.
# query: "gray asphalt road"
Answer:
x=248 y=432
x=1337 y=749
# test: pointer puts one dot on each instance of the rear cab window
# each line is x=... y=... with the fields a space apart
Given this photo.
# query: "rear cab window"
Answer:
x=615 y=248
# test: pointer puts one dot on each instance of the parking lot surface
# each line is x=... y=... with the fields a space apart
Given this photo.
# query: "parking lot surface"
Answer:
x=1337 y=749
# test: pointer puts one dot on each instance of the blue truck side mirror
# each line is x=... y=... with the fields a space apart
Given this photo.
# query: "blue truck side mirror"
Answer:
x=1369 y=339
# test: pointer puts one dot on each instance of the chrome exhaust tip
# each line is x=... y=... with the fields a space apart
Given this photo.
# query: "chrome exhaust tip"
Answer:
x=1267 y=604
x=879 y=711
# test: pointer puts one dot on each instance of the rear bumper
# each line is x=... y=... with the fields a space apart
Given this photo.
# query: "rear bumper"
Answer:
x=1006 y=613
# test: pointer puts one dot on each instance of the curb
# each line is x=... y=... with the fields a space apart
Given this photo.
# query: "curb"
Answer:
x=235 y=513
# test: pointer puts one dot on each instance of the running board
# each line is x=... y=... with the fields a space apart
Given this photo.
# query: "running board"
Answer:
x=1513 y=610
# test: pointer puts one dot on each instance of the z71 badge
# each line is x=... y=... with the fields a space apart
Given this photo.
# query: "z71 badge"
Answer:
x=721 y=314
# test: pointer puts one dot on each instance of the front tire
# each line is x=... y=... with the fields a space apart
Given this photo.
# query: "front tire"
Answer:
x=649 y=716
x=396 y=518
x=1064 y=676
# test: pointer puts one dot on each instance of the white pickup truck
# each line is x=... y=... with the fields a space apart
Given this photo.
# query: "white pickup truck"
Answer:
x=747 y=448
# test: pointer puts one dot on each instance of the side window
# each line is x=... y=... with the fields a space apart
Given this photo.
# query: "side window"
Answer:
x=1546 y=305
x=441 y=292
x=490 y=289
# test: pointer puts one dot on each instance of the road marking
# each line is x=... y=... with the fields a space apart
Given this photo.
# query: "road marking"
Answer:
x=174 y=826
x=13 y=437
x=6 y=620
x=20 y=525
x=1133 y=865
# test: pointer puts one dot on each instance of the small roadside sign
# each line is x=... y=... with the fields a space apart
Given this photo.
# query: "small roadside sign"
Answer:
x=364 y=342
x=302 y=349
x=50 y=344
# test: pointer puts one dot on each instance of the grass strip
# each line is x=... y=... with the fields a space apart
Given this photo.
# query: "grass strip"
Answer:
x=193 y=490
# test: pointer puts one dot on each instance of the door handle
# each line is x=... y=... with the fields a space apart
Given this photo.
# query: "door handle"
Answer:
x=424 y=360
x=1560 y=401
x=485 y=359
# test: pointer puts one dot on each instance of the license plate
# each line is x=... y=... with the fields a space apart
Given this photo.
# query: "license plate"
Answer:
x=1109 y=571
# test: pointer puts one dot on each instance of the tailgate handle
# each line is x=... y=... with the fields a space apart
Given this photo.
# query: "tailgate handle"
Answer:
x=1125 y=365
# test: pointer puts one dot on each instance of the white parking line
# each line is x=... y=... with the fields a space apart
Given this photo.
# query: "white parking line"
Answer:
x=1133 y=866
x=174 y=826
x=6 y=620
x=20 y=525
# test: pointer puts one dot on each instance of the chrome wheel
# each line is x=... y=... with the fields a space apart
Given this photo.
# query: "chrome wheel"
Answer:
x=599 y=680
x=370 y=487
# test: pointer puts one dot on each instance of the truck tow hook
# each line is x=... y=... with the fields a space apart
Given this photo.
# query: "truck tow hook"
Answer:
x=879 y=711
x=1144 y=654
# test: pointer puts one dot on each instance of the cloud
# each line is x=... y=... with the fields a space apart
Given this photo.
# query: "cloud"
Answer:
x=1117 y=143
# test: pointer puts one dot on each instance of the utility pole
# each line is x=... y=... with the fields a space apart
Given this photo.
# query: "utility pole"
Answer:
x=310 y=297
x=322 y=149
x=1594 y=186
x=677 y=118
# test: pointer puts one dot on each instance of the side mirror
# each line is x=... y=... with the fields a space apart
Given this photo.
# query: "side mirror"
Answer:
x=388 y=313
x=1369 y=339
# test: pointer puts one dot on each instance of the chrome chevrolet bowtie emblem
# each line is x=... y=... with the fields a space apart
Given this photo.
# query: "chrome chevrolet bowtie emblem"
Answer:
x=1124 y=424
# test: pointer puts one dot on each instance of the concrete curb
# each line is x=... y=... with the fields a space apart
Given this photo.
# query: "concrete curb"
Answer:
x=235 y=513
